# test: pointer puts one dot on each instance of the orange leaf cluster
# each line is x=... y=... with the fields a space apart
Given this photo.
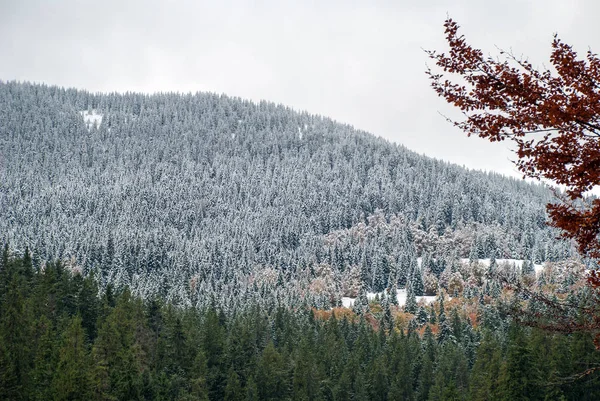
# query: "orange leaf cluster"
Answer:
x=552 y=116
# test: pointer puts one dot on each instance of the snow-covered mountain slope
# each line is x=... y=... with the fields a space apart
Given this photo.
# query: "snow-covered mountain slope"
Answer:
x=189 y=195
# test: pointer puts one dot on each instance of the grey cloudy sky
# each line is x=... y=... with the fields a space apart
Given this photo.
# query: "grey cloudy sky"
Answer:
x=358 y=62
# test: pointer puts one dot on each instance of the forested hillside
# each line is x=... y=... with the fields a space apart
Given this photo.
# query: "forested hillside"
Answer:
x=60 y=341
x=206 y=196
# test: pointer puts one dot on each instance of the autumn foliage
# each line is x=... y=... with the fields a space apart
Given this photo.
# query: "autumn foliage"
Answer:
x=553 y=117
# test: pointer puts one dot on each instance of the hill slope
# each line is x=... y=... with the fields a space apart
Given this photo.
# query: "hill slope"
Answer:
x=206 y=194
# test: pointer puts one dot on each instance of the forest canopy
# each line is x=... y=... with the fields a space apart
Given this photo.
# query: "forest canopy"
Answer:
x=59 y=340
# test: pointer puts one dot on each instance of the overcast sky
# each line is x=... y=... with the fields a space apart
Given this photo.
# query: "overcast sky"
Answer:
x=360 y=63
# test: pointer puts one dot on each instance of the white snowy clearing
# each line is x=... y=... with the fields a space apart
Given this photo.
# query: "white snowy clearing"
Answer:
x=91 y=118
x=517 y=263
x=348 y=302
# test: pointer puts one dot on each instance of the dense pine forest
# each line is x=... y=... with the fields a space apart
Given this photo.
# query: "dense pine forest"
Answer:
x=201 y=196
x=203 y=247
x=60 y=339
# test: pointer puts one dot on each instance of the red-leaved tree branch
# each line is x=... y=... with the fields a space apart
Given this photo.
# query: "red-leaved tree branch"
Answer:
x=553 y=117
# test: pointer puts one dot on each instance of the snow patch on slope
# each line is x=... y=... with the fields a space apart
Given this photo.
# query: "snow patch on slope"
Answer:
x=91 y=118
x=348 y=302
x=516 y=262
